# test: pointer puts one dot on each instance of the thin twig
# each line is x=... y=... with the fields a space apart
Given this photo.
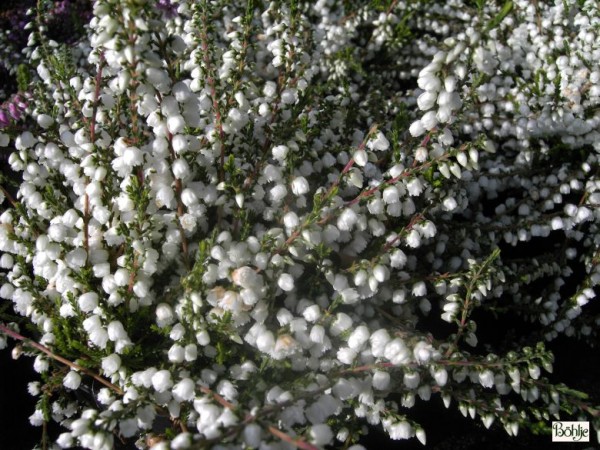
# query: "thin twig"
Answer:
x=299 y=443
x=9 y=197
x=92 y=132
x=213 y=91
x=51 y=354
x=218 y=398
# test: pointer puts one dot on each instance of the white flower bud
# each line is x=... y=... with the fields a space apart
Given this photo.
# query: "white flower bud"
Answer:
x=265 y=342
x=179 y=143
x=300 y=186
x=45 y=121
x=429 y=120
x=321 y=434
x=190 y=352
x=346 y=355
x=444 y=114
x=412 y=380
x=280 y=152
x=181 y=168
x=176 y=353
x=450 y=83
x=440 y=376
x=381 y=380
x=72 y=380
x=161 y=380
x=341 y=323
x=312 y=313
x=88 y=301
x=429 y=82
x=379 y=340
x=360 y=157
x=449 y=204
x=111 y=364
x=285 y=282
x=379 y=142
x=252 y=435
x=426 y=100
x=486 y=378
x=417 y=128
x=116 y=331
x=413 y=239
x=291 y=220
x=358 y=337
x=317 y=334
x=184 y=390
x=188 y=197
x=175 y=124
x=347 y=219
x=391 y=195
x=164 y=315
x=289 y=96
x=133 y=156
x=381 y=273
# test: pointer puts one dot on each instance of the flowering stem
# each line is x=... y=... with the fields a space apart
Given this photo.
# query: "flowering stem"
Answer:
x=327 y=195
x=9 y=197
x=391 y=7
x=363 y=194
x=213 y=90
x=72 y=365
x=368 y=367
x=251 y=418
x=299 y=443
x=369 y=192
x=96 y=98
x=180 y=205
x=218 y=398
x=92 y=132
x=416 y=218
x=44 y=435
x=467 y=304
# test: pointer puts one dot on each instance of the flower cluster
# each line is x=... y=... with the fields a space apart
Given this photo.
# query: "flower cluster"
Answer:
x=269 y=224
x=12 y=110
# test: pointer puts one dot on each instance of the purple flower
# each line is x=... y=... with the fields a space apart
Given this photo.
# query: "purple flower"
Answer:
x=61 y=7
x=14 y=111
x=4 y=119
x=20 y=102
x=168 y=9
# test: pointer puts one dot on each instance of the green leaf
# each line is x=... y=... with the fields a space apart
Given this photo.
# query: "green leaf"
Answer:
x=507 y=8
x=573 y=393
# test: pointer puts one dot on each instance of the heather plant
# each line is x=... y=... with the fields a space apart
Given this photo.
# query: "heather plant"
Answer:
x=267 y=225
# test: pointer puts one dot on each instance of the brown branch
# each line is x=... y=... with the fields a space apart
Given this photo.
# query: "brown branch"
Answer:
x=132 y=275
x=9 y=197
x=86 y=220
x=391 y=7
x=299 y=443
x=51 y=354
x=213 y=94
x=369 y=367
x=92 y=132
x=364 y=194
x=392 y=181
x=416 y=218
x=180 y=205
x=328 y=194
x=96 y=98
x=217 y=397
